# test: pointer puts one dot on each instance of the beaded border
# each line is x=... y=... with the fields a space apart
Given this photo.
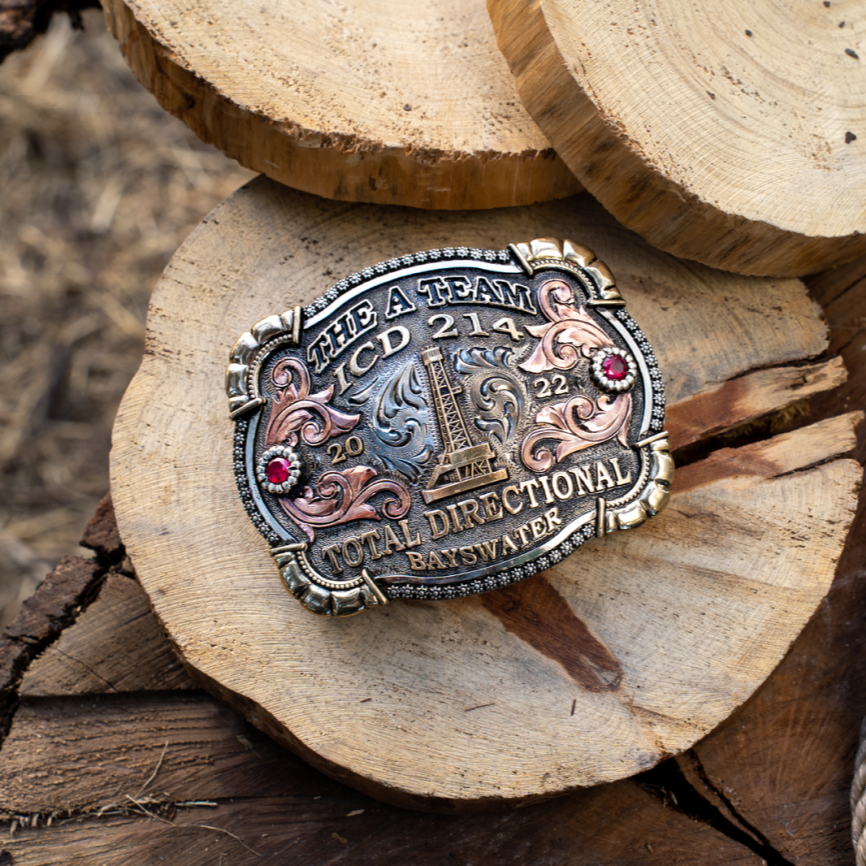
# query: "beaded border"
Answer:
x=504 y=578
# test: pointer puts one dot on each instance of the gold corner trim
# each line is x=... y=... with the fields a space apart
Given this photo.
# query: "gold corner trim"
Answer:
x=520 y=251
x=289 y=548
x=245 y=358
x=320 y=595
x=374 y=588
x=541 y=253
x=656 y=493
x=600 y=517
x=247 y=407
x=297 y=315
x=650 y=439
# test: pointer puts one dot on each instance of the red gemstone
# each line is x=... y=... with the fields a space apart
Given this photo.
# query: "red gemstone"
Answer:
x=277 y=470
x=614 y=367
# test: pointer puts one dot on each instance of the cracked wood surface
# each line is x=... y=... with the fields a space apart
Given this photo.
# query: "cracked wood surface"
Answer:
x=729 y=135
x=41 y=620
x=720 y=408
x=90 y=657
x=366 y=101
x=478 y=703
x=769 y=785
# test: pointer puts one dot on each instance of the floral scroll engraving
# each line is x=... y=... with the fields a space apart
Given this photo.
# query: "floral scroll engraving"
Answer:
x=338 y=497
x=495 y=394
x=400 y=422
x=298 y=414
x=341 y=497
x=570 y=334
x=570 y=338
x=576 y=424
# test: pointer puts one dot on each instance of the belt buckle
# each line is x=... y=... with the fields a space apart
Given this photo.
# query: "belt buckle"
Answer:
x=446 y=423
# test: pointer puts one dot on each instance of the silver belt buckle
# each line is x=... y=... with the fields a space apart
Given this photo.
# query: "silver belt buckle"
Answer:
x=446 y=423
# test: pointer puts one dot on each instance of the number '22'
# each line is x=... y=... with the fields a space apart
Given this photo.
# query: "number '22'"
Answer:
x=546 y=388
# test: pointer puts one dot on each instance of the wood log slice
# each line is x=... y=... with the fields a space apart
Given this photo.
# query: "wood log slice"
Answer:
x=732 y=135
x=621 y=655
x=371 y=101
x=143 y=776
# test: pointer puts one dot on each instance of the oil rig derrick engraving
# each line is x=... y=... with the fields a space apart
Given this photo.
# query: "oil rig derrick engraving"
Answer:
x=462 y=465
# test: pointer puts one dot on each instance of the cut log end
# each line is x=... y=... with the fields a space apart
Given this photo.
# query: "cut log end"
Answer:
x=624 y=653
x=701 y=139
x=367 y=108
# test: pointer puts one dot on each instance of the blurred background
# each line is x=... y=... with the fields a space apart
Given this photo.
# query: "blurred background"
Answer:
x=98 y=188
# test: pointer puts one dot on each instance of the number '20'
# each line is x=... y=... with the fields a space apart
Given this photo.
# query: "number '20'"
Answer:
x=354 y=447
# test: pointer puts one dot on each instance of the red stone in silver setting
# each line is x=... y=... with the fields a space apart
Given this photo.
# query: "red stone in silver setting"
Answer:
x=614 y=367
x=279 y=469
x=613 y=370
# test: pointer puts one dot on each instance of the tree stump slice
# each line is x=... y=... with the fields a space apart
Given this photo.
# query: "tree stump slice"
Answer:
x=369 y=102
x=769 y=785
x=623 y=654
x=731 y=136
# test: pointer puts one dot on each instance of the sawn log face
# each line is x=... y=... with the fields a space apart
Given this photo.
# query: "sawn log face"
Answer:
x=476 y=703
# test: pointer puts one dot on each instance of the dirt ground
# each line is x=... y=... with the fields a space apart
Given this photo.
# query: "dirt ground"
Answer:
x=98 y=188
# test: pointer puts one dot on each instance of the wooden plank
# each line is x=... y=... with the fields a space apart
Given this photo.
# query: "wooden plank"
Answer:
x=283 y=831
x=280 y=832
x=116 y=645
x=82 y=755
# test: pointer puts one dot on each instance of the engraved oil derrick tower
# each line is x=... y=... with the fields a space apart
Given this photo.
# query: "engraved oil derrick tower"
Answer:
x=463 y=465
